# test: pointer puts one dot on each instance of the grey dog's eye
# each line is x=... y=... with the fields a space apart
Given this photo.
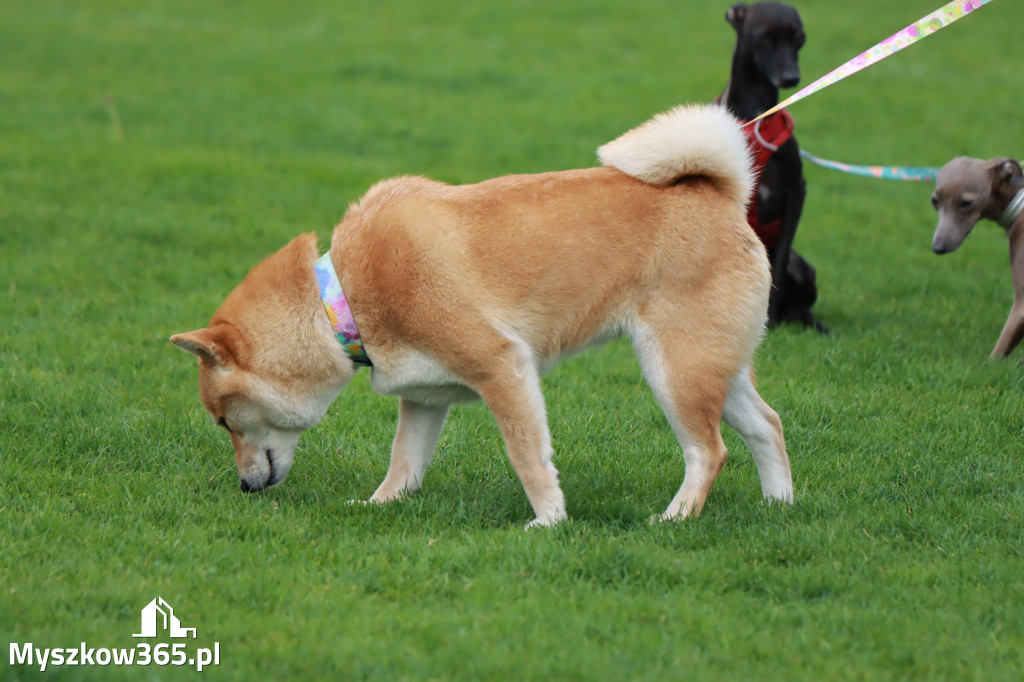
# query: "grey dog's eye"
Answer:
x=935 y=202
x=966 y=203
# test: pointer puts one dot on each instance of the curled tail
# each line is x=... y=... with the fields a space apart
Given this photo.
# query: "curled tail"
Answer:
x=699 y=139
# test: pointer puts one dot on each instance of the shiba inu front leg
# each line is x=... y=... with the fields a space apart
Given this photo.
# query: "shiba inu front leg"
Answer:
x=517 y=403
x=419 y=427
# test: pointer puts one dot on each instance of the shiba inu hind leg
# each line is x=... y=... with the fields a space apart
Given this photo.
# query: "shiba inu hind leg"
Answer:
x=761 y=429
x=690 y=382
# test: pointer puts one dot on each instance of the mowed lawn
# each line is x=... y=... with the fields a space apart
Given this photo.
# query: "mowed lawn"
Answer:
x=152 y=152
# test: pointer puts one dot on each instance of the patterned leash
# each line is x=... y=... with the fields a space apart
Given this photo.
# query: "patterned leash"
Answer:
x=920 y=29
x=910 y=173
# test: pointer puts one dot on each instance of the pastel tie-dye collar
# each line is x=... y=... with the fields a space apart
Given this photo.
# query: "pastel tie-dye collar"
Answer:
x=338 y=312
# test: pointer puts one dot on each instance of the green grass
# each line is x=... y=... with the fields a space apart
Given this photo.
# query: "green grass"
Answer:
x=152 y=152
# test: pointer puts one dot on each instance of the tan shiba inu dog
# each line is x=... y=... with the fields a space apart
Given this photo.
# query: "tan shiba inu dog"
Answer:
x=474 y=291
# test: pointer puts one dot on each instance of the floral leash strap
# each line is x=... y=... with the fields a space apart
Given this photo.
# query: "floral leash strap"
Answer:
x=922 y=28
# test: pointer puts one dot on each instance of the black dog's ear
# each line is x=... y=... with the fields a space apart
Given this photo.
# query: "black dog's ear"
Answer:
x=737 y=14
x=1008 y=171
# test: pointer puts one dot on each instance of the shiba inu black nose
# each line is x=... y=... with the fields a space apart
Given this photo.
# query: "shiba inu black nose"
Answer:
x=273 y=479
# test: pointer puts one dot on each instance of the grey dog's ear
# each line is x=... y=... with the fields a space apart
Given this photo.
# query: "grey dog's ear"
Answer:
x=1009 y=171
x=737 y=14
x=1006 y=170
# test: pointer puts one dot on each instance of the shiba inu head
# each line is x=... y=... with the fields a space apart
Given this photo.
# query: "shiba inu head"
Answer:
x=269 y=365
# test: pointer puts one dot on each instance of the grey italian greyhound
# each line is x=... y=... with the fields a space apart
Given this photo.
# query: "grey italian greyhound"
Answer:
x=968 y=190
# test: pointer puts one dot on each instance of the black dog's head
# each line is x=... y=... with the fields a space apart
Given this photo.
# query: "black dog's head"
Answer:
x=772 y=34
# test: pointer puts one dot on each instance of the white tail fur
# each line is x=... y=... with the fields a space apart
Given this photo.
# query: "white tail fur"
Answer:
x=698 y=139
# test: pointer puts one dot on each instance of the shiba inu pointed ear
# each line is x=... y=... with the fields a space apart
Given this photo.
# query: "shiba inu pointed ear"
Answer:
x=202 y=343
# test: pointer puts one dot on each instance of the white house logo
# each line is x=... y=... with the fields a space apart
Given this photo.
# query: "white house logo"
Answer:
x=158 y=614
x=157 y=619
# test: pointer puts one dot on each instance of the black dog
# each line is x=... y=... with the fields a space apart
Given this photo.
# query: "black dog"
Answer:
x=768 y=37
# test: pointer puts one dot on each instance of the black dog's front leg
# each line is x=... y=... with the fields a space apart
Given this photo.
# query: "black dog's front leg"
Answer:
x=787 y=164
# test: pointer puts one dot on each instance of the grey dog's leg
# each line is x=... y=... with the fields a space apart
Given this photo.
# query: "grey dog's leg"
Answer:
x=1012 y=332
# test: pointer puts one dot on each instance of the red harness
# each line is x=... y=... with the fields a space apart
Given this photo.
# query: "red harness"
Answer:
x=765 y=137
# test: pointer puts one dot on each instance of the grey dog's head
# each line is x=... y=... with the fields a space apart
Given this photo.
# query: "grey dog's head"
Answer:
x=968 y=190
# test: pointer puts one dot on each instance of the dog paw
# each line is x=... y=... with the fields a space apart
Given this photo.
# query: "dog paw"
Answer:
x=783 y=497
x=353 y=503
x=386 y=495
x=673 y=514
x=552 y=520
